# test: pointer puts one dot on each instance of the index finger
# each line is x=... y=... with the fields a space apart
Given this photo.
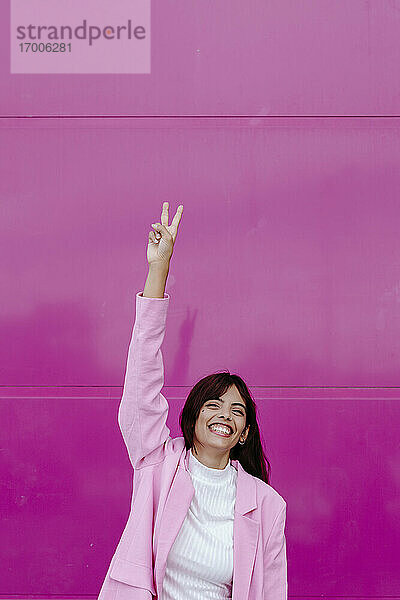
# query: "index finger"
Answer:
x=164 y=214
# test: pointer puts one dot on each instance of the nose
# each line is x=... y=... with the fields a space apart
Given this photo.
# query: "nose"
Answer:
x=227 y=417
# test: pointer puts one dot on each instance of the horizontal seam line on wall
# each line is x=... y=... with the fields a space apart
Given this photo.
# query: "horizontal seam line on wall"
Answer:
x=200 y=117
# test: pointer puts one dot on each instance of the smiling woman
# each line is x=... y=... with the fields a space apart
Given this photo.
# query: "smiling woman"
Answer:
x=204 y=522
x=224 y=398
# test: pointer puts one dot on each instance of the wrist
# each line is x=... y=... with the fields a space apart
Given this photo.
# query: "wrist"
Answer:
x=159 y=267
x=156 y=280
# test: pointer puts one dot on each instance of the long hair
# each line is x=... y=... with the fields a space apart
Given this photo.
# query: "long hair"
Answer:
x=250 y=455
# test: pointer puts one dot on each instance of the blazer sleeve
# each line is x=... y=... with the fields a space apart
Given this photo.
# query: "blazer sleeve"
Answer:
x=143 y=410
x=275 y=564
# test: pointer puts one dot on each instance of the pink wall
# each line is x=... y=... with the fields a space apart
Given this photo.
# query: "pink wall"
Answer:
x=258 y=57
x=286 y=271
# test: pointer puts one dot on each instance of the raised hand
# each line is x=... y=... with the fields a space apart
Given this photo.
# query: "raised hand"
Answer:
x=162 y=240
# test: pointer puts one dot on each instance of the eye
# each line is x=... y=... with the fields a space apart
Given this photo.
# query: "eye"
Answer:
x=238 y=410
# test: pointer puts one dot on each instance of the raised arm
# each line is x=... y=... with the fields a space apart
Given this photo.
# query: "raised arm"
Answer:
x=143 y=409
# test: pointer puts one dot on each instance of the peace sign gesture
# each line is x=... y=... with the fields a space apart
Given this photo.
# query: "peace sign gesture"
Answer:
x=162 y=240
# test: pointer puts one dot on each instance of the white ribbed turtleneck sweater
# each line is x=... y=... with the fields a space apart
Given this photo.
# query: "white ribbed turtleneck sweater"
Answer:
x=200 y=562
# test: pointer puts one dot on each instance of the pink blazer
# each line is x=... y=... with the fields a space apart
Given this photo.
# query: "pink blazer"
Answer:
x=163 y=490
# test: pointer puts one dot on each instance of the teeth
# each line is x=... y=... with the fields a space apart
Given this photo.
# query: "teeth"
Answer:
x=220 y=428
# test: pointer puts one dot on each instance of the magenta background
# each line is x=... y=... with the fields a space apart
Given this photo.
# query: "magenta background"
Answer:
x=286 y=271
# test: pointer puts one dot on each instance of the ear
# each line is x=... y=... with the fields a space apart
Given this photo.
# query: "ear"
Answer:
x=246 y=432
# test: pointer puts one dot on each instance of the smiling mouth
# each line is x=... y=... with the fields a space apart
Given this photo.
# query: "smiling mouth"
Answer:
x=220 y=433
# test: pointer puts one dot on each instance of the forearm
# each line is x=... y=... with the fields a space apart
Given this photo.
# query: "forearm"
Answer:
x=156 y=280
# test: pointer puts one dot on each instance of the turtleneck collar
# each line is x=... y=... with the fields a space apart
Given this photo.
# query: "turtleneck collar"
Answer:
x=197 y=468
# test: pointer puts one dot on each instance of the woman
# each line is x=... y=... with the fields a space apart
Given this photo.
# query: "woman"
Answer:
x=204 y=521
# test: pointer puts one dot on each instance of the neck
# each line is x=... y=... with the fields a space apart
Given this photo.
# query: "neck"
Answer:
x=210 y=459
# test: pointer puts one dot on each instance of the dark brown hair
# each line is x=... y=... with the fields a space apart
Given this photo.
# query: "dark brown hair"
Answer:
x=250 y=455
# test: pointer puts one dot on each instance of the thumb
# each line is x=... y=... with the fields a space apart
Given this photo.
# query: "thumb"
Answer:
x=161 y=229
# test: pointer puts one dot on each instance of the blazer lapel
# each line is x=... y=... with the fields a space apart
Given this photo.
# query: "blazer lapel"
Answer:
x=245 y=529
x=175 y=511
x=245 y=533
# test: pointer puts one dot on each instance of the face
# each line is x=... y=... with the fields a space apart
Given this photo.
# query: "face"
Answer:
x=230 y=408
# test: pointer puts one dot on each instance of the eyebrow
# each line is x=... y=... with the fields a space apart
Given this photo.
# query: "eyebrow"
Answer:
x=233 y=403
